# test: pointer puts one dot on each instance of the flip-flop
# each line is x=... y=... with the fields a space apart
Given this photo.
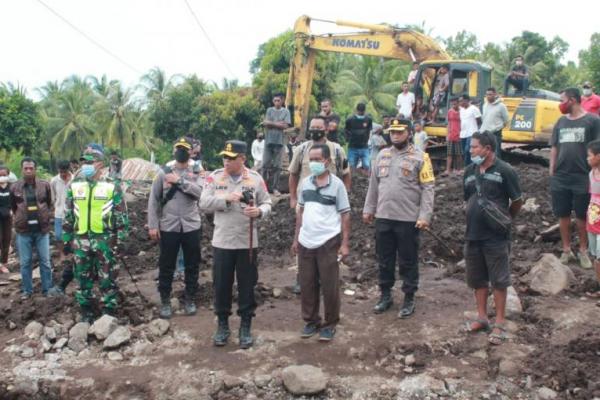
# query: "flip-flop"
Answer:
x=593 y=295
x=485 y=325
x=4 y=270
x=497 y=338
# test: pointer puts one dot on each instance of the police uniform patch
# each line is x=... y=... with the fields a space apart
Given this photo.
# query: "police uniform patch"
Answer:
x=79 y=193
x=101 y=193
x=426 y=174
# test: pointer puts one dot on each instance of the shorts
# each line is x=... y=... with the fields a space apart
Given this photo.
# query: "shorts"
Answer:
x=356 y=154
x=566 y=200
x=58 y=231
x=487 y=263
x=594 y=245
x=454 y=148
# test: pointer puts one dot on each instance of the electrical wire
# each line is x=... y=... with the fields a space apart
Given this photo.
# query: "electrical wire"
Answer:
x=89 y=38
x=214 y=47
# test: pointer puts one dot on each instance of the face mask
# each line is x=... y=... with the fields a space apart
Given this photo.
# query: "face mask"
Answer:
x=197 y=157
x=477 y=160
x=182 y=155
x=316 y=134
x=400 y=145
x=587 y=92
x=564 y=107
x=360 y=116
x=316 y=168
x=88 y=170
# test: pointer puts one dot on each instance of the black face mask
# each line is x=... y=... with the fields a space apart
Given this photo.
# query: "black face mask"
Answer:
x=197 y=157
x=182 y=155
x=316 y=134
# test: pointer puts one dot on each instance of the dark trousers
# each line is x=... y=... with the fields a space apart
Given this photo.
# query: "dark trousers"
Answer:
x=169 y=248
x=397 y=239
x=319 y=271
x=498 y=135
x=520 y=85
x=5 y=236
x=230 y=264
x=271 y=165
x=67 y=274
x=466 y=146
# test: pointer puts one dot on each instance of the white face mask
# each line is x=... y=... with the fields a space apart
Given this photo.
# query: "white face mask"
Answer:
x=587 y=92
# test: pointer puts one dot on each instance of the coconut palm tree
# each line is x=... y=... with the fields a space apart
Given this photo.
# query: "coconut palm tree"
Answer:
x=156 y=84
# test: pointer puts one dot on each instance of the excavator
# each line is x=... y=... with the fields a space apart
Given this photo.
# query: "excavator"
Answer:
x=532 y=114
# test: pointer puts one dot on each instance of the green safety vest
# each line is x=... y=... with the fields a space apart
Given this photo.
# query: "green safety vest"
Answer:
x=93 y=211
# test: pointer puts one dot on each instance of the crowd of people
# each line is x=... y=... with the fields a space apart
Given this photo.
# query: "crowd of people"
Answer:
x=91 y=222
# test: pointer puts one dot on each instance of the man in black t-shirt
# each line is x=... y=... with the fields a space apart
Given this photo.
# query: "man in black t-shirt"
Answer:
x=487 y=251
x=518 y=77
x=358 y=129
x=332 y=120
x=569 y=171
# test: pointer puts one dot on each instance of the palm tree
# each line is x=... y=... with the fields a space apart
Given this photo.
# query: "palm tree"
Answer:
x=373 y=81
x=156 y=84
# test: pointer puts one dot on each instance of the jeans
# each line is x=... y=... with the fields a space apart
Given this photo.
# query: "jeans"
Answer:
x=180 y=261
x=356 y=154
x=25 y=243
x=520 y=85
x=466 y=146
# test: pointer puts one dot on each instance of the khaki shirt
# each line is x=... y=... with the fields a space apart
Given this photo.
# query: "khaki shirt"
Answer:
x=401 y=186
x=232 y=227
x=300 y=160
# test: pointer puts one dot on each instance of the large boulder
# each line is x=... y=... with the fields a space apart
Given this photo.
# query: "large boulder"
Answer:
x=421 y=385
x=304 y=379
x=78 y=336
x=158 y=327
x=34 y=330
x=103 y=327
x=549 y=276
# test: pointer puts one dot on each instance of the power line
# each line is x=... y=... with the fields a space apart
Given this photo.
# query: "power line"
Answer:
x=208 y=38
x=89 y=38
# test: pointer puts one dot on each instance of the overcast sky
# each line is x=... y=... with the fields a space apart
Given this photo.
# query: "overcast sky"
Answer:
x=36 y=46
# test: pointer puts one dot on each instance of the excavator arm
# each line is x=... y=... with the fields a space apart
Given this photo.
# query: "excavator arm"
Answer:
x=374 y=40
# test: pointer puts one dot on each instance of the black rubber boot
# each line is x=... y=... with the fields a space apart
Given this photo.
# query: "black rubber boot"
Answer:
x=408 y=307
x=385 y=301
x=223 y=332
x=87 y=315
x=165 y=309
x=246 y=340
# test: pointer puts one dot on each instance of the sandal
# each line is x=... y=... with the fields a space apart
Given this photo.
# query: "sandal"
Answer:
x=593 y=295
x=497 y=338
x=4 y=270
x=484 y=325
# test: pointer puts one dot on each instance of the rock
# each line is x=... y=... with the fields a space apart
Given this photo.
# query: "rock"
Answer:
x=304 y=379
x=410 y=360
x=545 y=393
x=114 y=356
x=158 y=327
x=27 y=386
x=103 y=327
x=12 y=326
x=119 y=336
x=175 y=304
x=60 y=343
x=508 y=367
x=50 y=333
x=549 y=276
x=231 y=382
x=514 y=308
x=78 y=336
x=46 y=345
x=34 y=330
x=420 y=385
x=530 y=205
x=27 y=352
x=142 y=348
x=262 y=381
x=277 y=293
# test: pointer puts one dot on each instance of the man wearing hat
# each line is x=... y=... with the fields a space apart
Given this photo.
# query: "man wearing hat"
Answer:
x=238 y=197
x=94 y=227
x=174 y=221
x=590 y=101
x=400 y=199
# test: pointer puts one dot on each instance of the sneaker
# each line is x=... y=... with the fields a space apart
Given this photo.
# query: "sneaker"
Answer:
x=165 y=310
x=190 y=308
x=567 y=257
x=276 y=192
x=326 y=334
x=56 y=291
x=584 y=260
x=309 y=330
x=25 y=296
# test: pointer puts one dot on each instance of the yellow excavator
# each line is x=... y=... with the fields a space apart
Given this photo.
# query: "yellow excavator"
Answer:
x=532 y=114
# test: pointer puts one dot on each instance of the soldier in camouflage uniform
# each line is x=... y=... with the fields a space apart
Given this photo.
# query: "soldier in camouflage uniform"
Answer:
x=94 y=227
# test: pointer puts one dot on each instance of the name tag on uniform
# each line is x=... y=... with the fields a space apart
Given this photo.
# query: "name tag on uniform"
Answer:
x=32 y=208
x=101 y=193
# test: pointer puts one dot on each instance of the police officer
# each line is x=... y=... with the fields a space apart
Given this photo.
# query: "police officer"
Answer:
x=174 y=221
x=94 y=227
x=400 y=198
x=237 y=196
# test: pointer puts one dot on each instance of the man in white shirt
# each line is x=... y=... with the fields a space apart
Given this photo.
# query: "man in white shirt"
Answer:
x=58 y=186
x=405 y=102
x=258 y=147
x=412 y=75
x=470 y=121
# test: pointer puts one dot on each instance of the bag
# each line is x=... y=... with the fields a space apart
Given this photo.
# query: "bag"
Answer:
x=496 y=219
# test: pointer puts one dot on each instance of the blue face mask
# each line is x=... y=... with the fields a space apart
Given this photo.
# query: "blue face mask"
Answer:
x=88 y=170
x=360 y=116
x=477 y=160
x=316 y=168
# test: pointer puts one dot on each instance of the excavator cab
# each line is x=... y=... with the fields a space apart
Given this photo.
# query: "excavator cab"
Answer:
x=465 y=77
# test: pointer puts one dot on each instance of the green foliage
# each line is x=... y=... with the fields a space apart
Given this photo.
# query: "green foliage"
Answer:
x=590 y=60
x=463 y=45
x=20 y=122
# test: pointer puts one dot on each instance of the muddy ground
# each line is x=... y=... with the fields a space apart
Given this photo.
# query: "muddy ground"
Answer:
x=553 y=346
